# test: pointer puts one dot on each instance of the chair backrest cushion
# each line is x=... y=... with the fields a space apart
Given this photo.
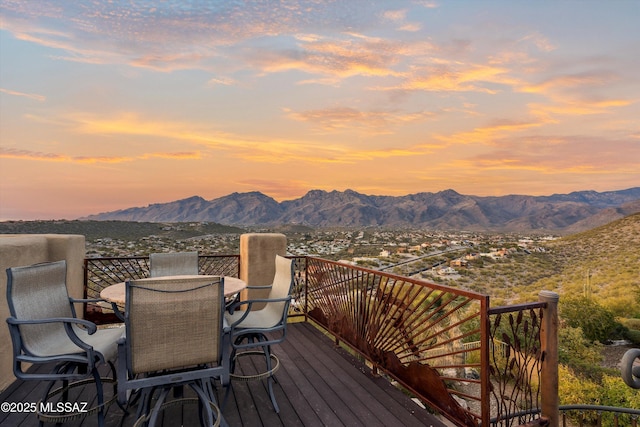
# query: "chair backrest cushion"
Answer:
x=173 y=323
x=173 y=264
x=283 y=278
x=273 y=313
x=39 y=291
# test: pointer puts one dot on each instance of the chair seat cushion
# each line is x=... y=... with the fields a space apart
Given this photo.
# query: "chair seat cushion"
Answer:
x=104 y=341
x=256 y=319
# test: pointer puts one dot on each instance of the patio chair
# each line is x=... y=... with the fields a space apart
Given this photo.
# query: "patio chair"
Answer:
x=173 y=264
x=174 y=338
x=45 y=330
x=249 y=328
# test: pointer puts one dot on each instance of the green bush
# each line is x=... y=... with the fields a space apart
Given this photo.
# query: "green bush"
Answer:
x=633 y=335
x=597 y=322
x=575 y=351
x=631 y=323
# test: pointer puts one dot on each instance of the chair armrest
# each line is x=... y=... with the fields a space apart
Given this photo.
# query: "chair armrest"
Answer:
x=83 y=300
x=234 y=306
x=91 y=327
x=73 y=301
x=248 y=309
x=68 y=322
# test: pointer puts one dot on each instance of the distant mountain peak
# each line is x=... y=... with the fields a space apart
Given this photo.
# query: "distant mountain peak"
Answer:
x=445 y=210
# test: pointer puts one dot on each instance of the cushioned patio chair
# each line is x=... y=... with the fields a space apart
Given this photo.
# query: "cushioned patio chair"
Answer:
x=173 y=264
x=174 y=338
x=45 y=330
x=249 y=328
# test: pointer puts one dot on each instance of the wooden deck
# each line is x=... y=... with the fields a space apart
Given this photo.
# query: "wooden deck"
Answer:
x=318 y=385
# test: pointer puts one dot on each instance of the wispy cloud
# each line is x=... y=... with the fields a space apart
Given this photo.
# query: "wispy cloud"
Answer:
x=489 y=134
x=569 y=82
x=279 y=189
x=250 y=148
x=335 y=58
x=575 y=107
x=33 y=96
x=12 y=153
x=370 y=122
x=559 y=155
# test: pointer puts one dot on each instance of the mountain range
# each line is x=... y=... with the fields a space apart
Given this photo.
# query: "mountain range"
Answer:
x=444 y=210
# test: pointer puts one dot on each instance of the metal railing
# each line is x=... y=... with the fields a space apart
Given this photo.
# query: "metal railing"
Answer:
x=102 y=272
x=475 y=365
x=412 y=330
x=515 y=363
x=595 y=415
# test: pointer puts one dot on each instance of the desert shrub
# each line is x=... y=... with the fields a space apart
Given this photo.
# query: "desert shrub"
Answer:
x=578 y=353
x=633 y=335
x=573 y=389
x=631 y=323
x=617 y=394
x=597 y=322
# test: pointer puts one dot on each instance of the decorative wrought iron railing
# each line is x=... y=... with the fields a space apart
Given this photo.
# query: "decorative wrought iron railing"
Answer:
x=475 y=365
x=102 y=272
x=412 y=330
x=515 y=363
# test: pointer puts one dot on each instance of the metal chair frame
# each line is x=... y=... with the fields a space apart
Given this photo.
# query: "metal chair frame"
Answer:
x=245 y=337
x=178 y=365
x=40 y=309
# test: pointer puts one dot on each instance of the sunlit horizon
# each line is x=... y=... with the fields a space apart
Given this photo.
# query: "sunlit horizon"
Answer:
x=106 y=106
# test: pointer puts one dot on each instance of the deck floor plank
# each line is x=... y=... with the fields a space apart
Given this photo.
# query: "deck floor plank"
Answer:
x=317 y=385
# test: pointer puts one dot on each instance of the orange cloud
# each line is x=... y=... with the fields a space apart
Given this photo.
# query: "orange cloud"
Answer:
x=265 y=150
x=487 y=135
x=582 y=81
x=455 y=77
x=577 y=107
x=11 y=153
x=278 y=189
x=352 y=55
x=371 y=122
x=169 y=62
x=185 y=155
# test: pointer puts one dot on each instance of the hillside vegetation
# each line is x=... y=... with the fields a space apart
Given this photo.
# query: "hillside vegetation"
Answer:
x=122 y=230
x=602 y=264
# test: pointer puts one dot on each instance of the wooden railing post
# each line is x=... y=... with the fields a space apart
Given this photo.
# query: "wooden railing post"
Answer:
x=550 y=400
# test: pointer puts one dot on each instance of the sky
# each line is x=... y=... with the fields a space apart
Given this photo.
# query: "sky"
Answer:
x=106 y=105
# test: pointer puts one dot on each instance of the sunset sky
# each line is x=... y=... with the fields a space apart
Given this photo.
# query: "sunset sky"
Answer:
x=106 y=105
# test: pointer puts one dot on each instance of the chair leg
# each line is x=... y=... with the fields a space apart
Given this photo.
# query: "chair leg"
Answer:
x=114 y=376
x=232 y=368
x=100 y=393
x=156 y=409
x=267 y=355
x=204 y=399
x=257 y=339
x=146 y=395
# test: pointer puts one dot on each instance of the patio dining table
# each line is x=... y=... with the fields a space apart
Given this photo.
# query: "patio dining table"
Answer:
x=117 y=293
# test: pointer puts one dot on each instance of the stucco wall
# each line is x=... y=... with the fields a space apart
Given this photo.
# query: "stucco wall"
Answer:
x=257 y=255
x=18 y=250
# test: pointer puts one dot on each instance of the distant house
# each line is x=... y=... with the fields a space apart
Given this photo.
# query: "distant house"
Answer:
x=447 y=271
x=462 y=263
